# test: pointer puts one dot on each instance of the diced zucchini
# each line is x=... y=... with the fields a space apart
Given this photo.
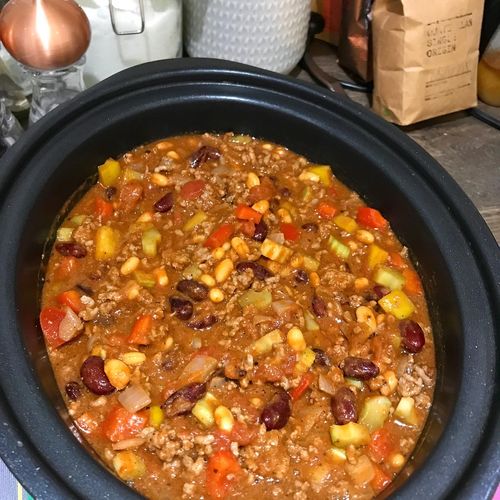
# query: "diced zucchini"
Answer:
x=406 y=412
x=131 y=175
x=338 y=455
x=375 y=412
x=64 y=234
x=389 y=278
x=324 y=172
x=193 y=221
x=398 y=304
x=354 y=382
x=260 y=300
x=266 y=343
x=241 y=139
x=128 y=465
x=150 y=240
x=156 y=416
x=144 y=279
x=338 y=248
x=310 y=264
x=376 y=256
x=310 y=322
x=305 y=361
x=109 y=172
x=275 y=251
x=192 y=272
x=77 y=220
x=204 y=409
x=106 y=243
x=346 y=223
x=306 y=194
x=352 y=433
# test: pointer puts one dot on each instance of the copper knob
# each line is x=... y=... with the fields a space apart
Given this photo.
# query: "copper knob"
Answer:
x=44 y=34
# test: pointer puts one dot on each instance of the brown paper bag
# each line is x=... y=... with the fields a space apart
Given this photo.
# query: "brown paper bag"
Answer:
x=425 y=57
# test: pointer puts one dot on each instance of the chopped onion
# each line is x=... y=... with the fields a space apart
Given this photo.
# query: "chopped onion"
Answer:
x=259 y=318
x=277 y=238
x=284 y=307
x=222 y=170
x=325 y=385
x=128 y=443
x=134 y=398
x=70 y=325
x=198 y=369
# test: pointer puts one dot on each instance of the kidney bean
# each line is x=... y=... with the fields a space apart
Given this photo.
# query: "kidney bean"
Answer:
x=343 y=405
x=285 y=192
x=181 y=307
x=183 y=400
x=260 y=233
x=94 y=377
x=378 y=292
x=318 y=306
x=204 y=154
x=71 y=250
x=276 y=413
x=310 y=227
x=73 y=390
x=360 y=368
x=301 y=276
x=322 y=358
x=203 y=323
x=412 y=335
x=193 y=289
x=274 y=204
x=259 y=271
x=165 y=203
x=110 y=192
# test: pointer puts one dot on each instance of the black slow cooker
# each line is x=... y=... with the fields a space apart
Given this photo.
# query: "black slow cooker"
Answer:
x=458 y=454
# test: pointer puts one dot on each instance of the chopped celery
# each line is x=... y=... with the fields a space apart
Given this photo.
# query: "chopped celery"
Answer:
x=305 y=361
x=77 y=219
x=306 y=194
x=338 y=248
x=260 y=300
x=275 y=251
x=375 y=412
x=346 y=223
x=354 y=382
x=266 y=343
x=109 y=172
x=106 y=243
x=406 y=412
x=389 y=277
x=193 y=221
x=150 y=240
x=192 y=272
x=131 y=175
x=156 y=416
x=144 y=279
x=310 y=322
x=324 y=172
x=204 y=409
x=310 y=264
x=352 y=433
x=64 y=234
x=398 y=304
x=376 y=255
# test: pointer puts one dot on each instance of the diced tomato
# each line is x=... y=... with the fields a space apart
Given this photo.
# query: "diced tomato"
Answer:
x=381 y=479
x=71 y=298
x=103 y=208
x=244 y=212
x=50 y=319
x=381 y=445
x=192 y=189
x=121 y=424
x=326 y=210
x=397 y=260
x=140 y=330
x=290 y=231
x=241 y=434
x=370 y=217
x=219 y=236
x=220 y=465
x=248 y=228
x=412 y=282
x=67 y=267
x=264 y=191
x=304 y=383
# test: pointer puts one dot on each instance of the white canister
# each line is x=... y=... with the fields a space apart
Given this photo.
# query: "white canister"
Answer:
x=270 y=34
x=130 y=32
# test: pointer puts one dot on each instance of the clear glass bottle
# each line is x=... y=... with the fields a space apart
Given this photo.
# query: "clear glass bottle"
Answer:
x=51 y=88
x=10 y=129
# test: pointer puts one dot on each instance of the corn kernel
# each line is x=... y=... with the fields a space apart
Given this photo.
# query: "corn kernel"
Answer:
x=218 y=253
x=296 y=261
x=364 y=236
x=252 y=180
x=133 y=358
x=240 y=247
x=206 y=279
x=132 y=290
x=284 y=215
x=174 y=155
x=117 y=372
x=130 y=265
x=295 y=339
x=397 y=460
x=309 y=176
x=256 y=402
x=161 y=276
x=261 y=206
x=361 y=284
x=98 y=350
x=275 y=251
x=365 y=315
x=128 y=465
x=224 y=419
x=223 y=270
x=159 y=179
x=169 y=342
x=216 y=295
x=314 y=279
x=156 y=416
x=145 y=217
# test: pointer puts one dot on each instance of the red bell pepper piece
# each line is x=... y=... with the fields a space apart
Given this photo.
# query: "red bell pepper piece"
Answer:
x=140 y=330
x=245 y=212
x=50 y=319
x=304 y=383
x=370 y=217
x=326 y=210
x=290 y=231
x=219 y=236
x=71 y=298
x=220 y=465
